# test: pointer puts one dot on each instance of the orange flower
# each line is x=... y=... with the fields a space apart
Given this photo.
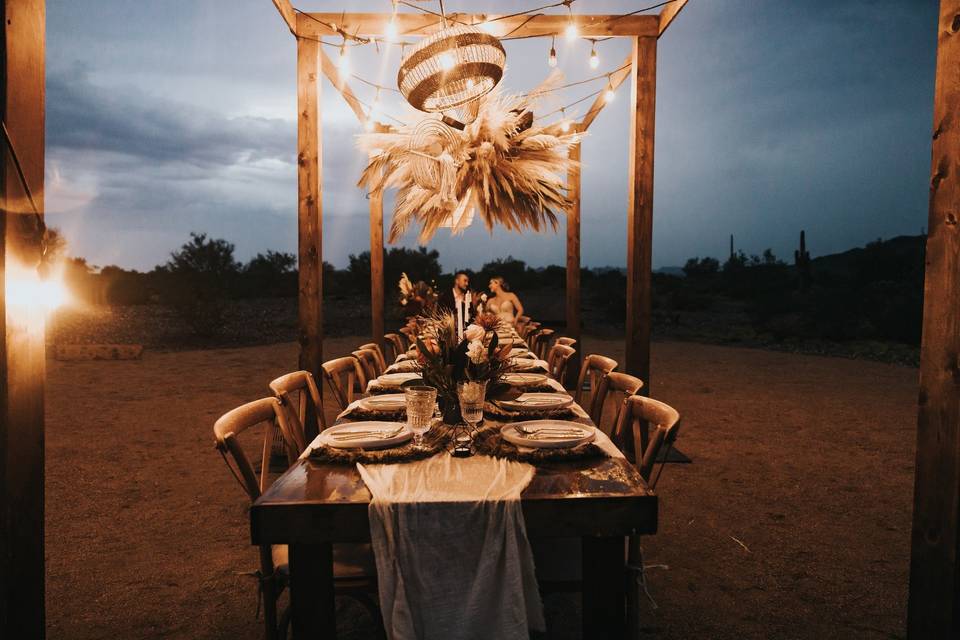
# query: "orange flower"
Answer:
x=489 y=321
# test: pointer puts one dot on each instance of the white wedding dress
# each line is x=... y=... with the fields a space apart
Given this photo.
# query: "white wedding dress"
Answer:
x=504 y=311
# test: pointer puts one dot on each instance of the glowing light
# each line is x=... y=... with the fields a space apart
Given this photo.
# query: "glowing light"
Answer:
x=571 y=31
x=565 y=126
x=552 y=60
x=594 y=58
x=343 y=62
x=487 y=27
x=25 y=289
x=609 y=94
x=390 y=33
x=447 y=61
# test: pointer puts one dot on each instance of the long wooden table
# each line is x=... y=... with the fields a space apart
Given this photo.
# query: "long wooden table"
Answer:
x=312 y=506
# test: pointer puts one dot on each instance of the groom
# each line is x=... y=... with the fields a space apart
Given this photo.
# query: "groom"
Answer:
x=460 y=301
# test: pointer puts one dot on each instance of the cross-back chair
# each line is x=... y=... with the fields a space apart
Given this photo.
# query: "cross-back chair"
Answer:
x=368 y=363
x=299 y=398
x=594 y=368
x=557 y=361
x=354 y=571
x=395 y=343
x=540 y=343
x=619 y=385
x=409 y=337
x=381 y=360
x=565 y=341
x=342 y=375
x=529 y=330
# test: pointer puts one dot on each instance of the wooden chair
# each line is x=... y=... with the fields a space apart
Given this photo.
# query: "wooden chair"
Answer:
x=353 y=565
x=409 y=337
x=368 y=364
x=342 y=374
x=565 y=341
x=520 y=323
x=557 y=361
x=529 y=330
x=592 y=371
x=381 y=360
x=395 y=342
x=540 y=343
x=299 y=397
x=644 y=427
x=614 y=383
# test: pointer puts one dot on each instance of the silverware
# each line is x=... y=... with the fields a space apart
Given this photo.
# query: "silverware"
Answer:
x=383 y=434
x=550 y=432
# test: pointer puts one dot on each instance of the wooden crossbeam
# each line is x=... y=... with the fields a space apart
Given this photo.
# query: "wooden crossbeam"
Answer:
x=616 y=79
x=419 y=24
x=669 y=13
x=340 y=84
x=287 y=13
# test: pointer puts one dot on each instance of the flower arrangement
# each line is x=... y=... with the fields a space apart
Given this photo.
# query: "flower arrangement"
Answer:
x=416 y=298
x=444 y=360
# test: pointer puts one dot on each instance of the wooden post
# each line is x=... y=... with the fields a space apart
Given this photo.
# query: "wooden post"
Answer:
x=934 y=604
x=22 y=365
x=310 y=209
x=643 y=86
x=376 y=268
x=573 y=264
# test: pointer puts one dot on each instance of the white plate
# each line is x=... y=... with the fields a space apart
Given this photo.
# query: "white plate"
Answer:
x=537 y=402
x=371 y=442
x=544 y=440
x=526 y=364
x=396 y=379
x=404 y=366
x=524 y=379
x=387 y=402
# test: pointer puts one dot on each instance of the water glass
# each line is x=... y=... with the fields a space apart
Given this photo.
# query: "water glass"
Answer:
x=421 y=402
x=472 y=396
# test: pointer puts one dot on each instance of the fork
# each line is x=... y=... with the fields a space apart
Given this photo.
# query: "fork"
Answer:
x=359 y=435
x=549 y=431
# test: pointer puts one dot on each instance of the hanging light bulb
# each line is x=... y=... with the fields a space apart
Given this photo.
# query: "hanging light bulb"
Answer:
x=564 y=123
x=343 y=62
x=552 y=59
x=609 y=94
x=571 y=30
x=594 y=58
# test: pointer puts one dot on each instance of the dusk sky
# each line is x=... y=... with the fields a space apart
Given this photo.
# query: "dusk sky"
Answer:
x=173 y=116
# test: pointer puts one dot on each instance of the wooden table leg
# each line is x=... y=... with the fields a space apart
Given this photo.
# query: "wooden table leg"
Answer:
x=604 y=588
x=313 y=612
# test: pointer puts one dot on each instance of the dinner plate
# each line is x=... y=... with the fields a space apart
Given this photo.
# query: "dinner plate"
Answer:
x=397 y=379
x=524 y=379
x=550 y=434
x=527 y=364
x=404 y=366
x=537 y=402
x=386 y=402
x=374 y=441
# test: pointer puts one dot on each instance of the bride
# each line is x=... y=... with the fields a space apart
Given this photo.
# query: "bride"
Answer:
x=503 y=303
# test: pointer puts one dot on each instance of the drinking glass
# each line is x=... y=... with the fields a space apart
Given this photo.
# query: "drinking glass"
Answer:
x=420 y=402
x=472 y=396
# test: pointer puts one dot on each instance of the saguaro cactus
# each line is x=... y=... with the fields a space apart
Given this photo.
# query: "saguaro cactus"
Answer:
x=801 y=258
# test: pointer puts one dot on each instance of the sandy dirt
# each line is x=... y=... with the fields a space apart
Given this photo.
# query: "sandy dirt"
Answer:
x=792 y=522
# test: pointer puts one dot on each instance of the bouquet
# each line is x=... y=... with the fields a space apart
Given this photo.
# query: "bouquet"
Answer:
x=444 y=359
x=418 y=298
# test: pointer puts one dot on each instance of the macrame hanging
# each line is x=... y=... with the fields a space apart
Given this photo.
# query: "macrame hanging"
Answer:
x=449 y=71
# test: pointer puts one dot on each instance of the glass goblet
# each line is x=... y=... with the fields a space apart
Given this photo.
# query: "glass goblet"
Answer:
x=421 y=402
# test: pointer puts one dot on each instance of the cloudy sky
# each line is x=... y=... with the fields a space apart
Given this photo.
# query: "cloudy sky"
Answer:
x=172 y=116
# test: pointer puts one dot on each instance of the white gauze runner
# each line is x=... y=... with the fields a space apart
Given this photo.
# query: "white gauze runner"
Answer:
x=453 y=559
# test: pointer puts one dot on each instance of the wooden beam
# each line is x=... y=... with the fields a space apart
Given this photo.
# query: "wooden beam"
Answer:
x=310 y=209
x=376 y=268
x=287 y=13
x=616 y=79
x=643 y=87
x=340 y=84
x=573 y=264
x=22 y=362
x=669 y=13
x=420 y=24
x=934 y=601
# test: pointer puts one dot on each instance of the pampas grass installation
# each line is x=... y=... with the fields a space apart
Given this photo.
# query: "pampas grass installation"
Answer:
x=503 y=167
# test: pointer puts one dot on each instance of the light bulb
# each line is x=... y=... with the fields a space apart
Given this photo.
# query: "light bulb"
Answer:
x=552 y=60
x=594 y=58
x=447 y=61
x=571 y=31
x=565 y=125
x=391 y=31
x=609 y=94
x=343 y=62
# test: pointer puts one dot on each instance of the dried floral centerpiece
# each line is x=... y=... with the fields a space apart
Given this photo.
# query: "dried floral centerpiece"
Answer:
x=444 y=360
x=417 y=298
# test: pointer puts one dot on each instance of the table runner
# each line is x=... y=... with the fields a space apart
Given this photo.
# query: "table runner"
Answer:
x=453 y=559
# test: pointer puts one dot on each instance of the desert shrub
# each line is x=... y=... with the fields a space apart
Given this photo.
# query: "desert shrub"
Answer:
x=197 y=279
x=124 y=287
x=272 y=274
x=510 y=269
x=418 y=264
x=700 y=267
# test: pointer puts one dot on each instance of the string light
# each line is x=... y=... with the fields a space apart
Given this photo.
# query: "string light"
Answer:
x=594 y=58
x=564 y=123
x=571 y=31
x=552 y=59
x=343 y=62
x=609 y=94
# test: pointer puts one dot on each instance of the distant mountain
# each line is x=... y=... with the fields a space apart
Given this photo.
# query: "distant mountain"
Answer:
x=907 y=248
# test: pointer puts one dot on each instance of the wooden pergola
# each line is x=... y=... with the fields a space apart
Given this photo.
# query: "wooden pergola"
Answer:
x=640 y=67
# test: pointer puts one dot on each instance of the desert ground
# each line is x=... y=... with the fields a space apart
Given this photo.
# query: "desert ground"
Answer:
x=793 y=521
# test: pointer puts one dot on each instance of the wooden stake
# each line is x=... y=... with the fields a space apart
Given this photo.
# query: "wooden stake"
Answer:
x=376 y=268
x=573 y=265
x=934 y=604
x=22 y=363
x=643 y=85
x=310 y=209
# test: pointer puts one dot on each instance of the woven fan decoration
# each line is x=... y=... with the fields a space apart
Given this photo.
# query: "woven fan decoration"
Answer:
x=448 y=71
x=503 y=167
